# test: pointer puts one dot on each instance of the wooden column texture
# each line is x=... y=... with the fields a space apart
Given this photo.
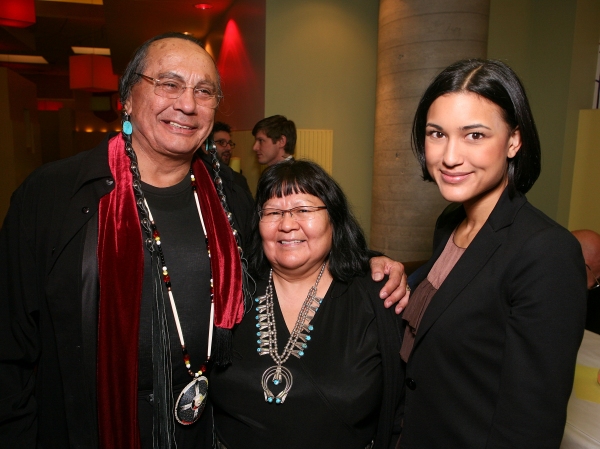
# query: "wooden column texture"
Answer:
x=417 y=40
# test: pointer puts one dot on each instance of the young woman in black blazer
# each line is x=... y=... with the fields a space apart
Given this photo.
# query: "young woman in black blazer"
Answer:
x=494 y=326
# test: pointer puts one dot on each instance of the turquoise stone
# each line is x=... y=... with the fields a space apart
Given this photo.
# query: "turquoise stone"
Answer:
x=275 y=381
x=310 y=327
x=308 y=337
x=258 y=334
x=257 y=325
x=256 y=299
x=300 y=353
x=270 y=399
x=259 y=341
x=257 y=349
x=277 y=400
x=127 y=128
x=304 y=345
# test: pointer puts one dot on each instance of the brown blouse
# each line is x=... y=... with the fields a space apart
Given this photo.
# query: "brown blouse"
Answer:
x=423 y=294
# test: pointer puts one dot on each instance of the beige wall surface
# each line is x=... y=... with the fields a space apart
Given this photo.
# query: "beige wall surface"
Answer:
x=320 y=73
x=585 y=208
x=552 y=45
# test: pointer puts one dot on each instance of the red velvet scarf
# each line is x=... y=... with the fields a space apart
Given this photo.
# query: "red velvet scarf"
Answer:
x=121 y=267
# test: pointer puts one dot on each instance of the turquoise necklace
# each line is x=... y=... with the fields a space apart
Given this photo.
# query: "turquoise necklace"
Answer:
x=296 y=344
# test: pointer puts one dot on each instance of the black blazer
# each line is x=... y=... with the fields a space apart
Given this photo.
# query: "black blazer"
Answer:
x=494 y=356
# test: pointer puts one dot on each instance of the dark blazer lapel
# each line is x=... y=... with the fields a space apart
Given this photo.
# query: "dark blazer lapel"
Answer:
x=485 y=244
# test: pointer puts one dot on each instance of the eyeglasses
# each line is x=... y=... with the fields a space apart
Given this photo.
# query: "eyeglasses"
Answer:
x=224 y=143
x=300 y=213
x=597 y=284
x=170 y=88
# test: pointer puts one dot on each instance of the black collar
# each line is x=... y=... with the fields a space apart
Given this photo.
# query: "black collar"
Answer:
x=94 y=165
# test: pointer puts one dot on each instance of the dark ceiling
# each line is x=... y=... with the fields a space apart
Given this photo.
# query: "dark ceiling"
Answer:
x=121 y=25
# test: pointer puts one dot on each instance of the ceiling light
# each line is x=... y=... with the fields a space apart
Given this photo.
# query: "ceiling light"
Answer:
x=23 y=59
x=91 y=51
x=203 y=5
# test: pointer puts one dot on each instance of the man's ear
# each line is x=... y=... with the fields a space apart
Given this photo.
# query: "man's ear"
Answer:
x=282 y=142
x=127 y=105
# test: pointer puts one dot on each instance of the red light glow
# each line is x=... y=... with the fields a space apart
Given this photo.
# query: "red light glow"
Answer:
x=49 y=105
x=234 y=62
x=17 y=13
x=242 y=87
x=203 y=5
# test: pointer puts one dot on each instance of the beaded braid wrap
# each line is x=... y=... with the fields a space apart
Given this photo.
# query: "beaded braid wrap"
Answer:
x=163 y=423
x=248 y=284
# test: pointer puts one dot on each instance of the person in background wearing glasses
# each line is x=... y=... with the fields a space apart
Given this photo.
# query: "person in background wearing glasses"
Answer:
x=316 y=362
x=590 y=245
x=109 y=297
x=221 y=136
x=275 y=140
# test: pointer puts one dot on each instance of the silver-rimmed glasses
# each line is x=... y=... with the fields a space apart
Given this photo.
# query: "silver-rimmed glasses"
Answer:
x=300 y=213
x=171 y=88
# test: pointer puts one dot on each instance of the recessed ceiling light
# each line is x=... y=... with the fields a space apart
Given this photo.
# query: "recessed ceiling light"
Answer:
x=91 y=51
x=203 y=5
x=26 y=59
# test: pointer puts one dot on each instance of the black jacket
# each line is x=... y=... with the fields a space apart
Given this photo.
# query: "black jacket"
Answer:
x=48 y=300
x=494 y=356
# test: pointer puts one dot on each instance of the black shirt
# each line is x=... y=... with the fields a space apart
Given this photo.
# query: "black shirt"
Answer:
x=183 y=243
x=337 y=385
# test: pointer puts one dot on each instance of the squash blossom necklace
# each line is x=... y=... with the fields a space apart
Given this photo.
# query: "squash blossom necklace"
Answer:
x=296 y=344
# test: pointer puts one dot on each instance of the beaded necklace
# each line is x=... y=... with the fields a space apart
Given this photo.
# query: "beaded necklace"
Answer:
x=296 y=344
x=192 y=399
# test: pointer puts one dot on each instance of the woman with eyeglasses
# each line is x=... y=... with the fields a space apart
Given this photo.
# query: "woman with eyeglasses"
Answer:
x=316 y=360
x=494 y=326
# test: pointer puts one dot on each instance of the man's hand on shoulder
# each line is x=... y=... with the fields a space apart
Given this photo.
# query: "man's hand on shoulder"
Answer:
x=396 y=290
